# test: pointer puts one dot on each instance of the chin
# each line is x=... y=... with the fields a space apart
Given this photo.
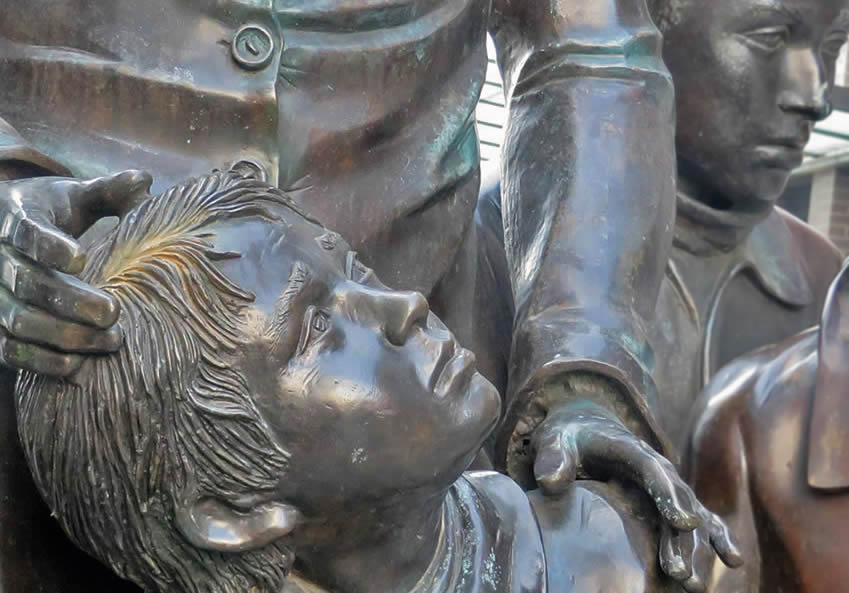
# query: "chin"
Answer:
x=761 y=192
x=768 y=185
x=483 y=405
x=473 y=420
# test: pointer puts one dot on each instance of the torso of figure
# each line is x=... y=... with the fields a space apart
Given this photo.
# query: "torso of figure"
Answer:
x=498 y=539
x=489 y=542
x=364 y=109
x=805 y=531
x=714 y=307
x=799 y=534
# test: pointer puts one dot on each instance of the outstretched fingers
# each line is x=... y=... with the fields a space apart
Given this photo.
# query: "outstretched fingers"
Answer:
x=649 y=470
x=672 y=555
x=723 y=542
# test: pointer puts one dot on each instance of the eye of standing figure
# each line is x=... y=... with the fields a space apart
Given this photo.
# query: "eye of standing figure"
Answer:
x=769 y=39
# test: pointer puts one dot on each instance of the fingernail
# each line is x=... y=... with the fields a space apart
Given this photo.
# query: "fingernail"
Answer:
x=102 y=309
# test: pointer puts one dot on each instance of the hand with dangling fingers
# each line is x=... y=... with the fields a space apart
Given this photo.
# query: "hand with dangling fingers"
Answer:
x=584 y=440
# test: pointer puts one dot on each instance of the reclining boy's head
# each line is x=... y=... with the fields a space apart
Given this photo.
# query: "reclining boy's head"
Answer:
x=266 y=377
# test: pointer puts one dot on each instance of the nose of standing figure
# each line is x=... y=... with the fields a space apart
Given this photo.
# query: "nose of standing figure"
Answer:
x=806 y=85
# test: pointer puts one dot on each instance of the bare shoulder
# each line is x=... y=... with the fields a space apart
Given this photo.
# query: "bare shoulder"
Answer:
x=743 y=388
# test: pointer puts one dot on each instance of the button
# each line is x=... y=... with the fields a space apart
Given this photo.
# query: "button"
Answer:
x=252 y=47
x=249 y=170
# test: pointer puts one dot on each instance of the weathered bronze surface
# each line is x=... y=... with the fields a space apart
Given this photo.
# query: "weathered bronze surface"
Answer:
x=274 y=408
x=758 y=451
x=751 y=77
x=363 y=112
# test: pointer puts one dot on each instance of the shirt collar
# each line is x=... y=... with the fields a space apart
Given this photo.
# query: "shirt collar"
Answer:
x=760 y=241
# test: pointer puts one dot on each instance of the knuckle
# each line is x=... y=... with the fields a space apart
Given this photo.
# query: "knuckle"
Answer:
x=67 y=366
x=114 y=339
x=8 y=222
x=20 y=278
x=17 y=321
x=64 y=365
x=9 y=270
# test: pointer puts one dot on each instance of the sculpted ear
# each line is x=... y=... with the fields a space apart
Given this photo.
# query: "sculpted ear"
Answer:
x=213 y=524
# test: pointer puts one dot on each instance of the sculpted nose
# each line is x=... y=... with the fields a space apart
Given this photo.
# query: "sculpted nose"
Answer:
x=405 y=310
x=806 y=86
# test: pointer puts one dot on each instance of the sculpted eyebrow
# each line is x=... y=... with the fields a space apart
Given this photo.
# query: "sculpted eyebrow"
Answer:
x=279 y=328
x=774 y=9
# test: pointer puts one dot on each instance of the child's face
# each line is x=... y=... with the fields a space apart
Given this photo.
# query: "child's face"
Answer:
x=364 y=386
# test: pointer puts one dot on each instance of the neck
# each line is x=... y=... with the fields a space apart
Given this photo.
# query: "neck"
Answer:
x=701 y=193
x=379 y=549
x=705 y=223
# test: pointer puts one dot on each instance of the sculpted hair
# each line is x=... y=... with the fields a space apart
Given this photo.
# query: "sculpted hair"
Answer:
x=167 y=418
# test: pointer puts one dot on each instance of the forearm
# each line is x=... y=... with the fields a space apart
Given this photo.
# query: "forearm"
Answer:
x=588 y=196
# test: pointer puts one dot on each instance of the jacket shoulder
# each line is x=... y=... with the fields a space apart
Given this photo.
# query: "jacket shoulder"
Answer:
x=822 y=258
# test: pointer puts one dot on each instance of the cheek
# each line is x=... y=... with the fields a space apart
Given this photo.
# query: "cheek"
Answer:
x=722 y=105
x=357 y=379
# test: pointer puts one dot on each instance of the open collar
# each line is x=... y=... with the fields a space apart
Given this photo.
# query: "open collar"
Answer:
x=762 y=242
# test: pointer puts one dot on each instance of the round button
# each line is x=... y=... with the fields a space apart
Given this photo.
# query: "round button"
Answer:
x=252 y=47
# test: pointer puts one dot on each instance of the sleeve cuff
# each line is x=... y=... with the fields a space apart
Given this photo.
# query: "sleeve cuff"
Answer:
x=559 y=356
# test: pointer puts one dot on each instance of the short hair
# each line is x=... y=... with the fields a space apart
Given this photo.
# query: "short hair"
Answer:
x=167 y=418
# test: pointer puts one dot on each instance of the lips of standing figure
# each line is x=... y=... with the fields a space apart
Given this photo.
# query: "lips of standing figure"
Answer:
x=780 y=156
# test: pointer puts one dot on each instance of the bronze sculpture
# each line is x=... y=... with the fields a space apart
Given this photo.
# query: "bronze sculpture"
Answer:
x=768 y=453
x=364 y=112
x=275 y=407
x=752 y=77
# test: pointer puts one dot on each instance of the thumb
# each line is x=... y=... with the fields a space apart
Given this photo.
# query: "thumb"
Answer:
x=556 y=463
x=115 y=194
